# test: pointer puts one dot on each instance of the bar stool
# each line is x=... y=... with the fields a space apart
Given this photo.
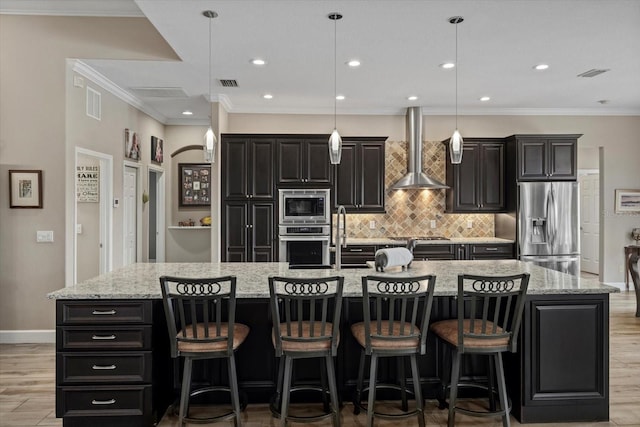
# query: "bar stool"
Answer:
x=396 y=313
x=635 y=277
x=488 y=320
x=306 y=319
x=196 y=310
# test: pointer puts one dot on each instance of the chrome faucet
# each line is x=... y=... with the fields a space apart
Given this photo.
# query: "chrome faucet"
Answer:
x=341 y=239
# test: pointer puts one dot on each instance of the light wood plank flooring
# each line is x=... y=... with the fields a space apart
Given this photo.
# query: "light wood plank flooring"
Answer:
x=27 y=383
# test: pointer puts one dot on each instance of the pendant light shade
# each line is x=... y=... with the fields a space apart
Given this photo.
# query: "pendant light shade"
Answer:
x=209 y=143
x=456 y=141
x=335 y=141
x=209 y=146
x=335 y=147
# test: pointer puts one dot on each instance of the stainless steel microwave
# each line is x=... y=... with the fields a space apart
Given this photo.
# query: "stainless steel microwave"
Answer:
x=300 y=206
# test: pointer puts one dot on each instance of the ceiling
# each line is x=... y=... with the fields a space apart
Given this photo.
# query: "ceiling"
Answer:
x=401 y=45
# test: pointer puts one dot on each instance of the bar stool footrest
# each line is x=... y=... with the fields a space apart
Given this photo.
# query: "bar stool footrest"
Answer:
x=475 y=413
x=274 y=405
x=358 y=406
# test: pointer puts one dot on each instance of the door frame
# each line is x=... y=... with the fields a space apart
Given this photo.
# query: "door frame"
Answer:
x=160 y=184
x=106 y=216
x=585 y=172
x=129 y=164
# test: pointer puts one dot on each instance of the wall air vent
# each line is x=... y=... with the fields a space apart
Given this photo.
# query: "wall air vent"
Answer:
x=593 y=72
x=94 y=103
x=229 y=82
x=159 y=92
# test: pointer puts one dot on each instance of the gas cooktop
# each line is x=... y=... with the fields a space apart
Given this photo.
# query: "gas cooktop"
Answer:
x=419 y=238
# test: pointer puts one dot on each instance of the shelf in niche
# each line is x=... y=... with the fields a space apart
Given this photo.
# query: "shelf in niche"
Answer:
x=189 y=227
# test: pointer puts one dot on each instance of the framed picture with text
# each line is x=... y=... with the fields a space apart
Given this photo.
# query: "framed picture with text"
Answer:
x=25 y=189
x=195 y=184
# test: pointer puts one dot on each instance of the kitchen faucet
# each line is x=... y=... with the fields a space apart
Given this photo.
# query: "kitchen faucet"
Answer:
x=339 y=237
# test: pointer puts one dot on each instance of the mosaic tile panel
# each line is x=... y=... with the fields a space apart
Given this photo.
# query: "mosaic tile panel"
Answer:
x=409 y=212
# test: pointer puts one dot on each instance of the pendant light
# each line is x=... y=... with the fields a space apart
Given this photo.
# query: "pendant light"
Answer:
x=456 y=142
x=335 y=141
x=210 y=142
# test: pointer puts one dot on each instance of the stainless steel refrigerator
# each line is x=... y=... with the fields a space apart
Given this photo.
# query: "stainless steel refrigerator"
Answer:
x=549 y=225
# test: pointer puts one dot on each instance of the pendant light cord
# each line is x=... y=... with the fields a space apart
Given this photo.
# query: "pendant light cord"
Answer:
x=335 y=72
x=456 y=76
x=209 y=75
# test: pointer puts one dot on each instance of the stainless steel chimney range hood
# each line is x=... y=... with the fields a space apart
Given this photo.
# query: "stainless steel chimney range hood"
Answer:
x=415 y=178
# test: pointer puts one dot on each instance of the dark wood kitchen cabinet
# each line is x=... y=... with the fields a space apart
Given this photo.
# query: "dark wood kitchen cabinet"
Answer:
x=249 y=232
x=478 y=183
x=303 y=162
x=545 y=157
x=248 y=167
x=109 y=360
x=359 y=178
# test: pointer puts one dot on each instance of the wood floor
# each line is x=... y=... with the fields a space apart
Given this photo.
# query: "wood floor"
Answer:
x=27 y=383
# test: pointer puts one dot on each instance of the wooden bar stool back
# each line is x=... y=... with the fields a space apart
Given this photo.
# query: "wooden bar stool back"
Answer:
x=201 y=320
x=489 y=312
x=635 y=277
x=306 y=324
x=396 y=314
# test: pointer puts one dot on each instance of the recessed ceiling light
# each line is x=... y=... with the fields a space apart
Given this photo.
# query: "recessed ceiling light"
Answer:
x=541 y=67
x=187 y=113
x=340 y=97
x=485 y=98
x=447 y=65
x=412 y=98
x=603 y=101
x=353 y=63
x=267 y=96
x=258 y=61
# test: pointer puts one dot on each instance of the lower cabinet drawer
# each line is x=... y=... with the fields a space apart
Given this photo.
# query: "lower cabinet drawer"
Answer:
x=104 y=338
x=103 y=401
x=80 y=368
x=488 y=249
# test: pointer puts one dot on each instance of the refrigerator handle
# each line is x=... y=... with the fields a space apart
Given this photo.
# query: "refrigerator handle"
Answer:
x=551 y=212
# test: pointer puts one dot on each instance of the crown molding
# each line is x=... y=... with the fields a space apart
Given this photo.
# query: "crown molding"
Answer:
x=111 y=8
x=90 y=73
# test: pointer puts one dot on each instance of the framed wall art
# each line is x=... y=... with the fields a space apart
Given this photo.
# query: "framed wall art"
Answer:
x=131 y=145
x=627 y=201
x=25 y=189
x=157 y=147
x=195 y=184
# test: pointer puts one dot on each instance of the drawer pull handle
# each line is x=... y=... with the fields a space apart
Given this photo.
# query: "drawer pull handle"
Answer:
x=103 y=337
x=355 y=250
x=491 y=249
x=103 y=402
x=102 y=313
x=103 y=367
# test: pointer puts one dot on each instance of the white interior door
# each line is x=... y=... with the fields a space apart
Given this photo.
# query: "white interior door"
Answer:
x=130 y=229
x=156 y=215
x=589 y=222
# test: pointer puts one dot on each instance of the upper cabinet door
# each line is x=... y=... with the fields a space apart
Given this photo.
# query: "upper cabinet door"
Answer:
x=247 y=168
x=235 y=157
x=547 y=157
x=303 y=163
x=290 y=162
x=492 y=184
x=371 y=166
x=345 y=186
x=261 y=171
x=317 y=162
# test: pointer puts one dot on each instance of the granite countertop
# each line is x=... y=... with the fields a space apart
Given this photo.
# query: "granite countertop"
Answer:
x=454 y=240
x=140 y=281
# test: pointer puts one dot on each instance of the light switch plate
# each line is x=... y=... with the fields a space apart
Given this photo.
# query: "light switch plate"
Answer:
x=433 y=223
x=78 y=228
x=372 y=225
x=469 y=224
x=44 y=236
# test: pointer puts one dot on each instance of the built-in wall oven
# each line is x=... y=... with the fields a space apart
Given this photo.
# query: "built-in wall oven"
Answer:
x=304 y=229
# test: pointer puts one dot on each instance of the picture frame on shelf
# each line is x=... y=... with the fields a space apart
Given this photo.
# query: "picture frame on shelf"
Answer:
x=131 y=145
x=157 y=150
x=25 y=189
x=195 y=184
x=627 y=201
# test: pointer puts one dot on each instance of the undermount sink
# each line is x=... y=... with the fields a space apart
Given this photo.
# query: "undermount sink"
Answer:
x=324 y=266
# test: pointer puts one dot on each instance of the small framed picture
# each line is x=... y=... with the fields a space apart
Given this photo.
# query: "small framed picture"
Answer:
x=627 y=201
x=156 y=150
x=25 y=189
x=131 y=145
x=193 y=177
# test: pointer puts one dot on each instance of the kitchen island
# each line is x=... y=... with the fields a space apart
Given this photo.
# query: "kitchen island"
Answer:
x=560 y=372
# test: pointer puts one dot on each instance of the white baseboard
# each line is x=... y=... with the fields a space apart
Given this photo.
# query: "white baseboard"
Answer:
x=28 y=336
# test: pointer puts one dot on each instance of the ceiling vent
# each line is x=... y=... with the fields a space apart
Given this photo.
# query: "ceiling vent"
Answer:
x=593 y=72
x=229 y=82
x=159 y=92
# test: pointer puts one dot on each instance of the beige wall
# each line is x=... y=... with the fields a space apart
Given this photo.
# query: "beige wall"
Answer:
x=33 y=52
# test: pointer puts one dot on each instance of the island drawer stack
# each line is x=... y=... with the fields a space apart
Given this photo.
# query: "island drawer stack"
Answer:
x=104 y=362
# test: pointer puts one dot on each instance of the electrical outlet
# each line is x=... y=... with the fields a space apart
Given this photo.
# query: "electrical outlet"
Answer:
x=433 y=223
x=372 y=225
x=44 y=236
x=469 y=224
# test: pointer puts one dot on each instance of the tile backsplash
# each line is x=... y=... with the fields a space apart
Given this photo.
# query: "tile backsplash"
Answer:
x=409 y=212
